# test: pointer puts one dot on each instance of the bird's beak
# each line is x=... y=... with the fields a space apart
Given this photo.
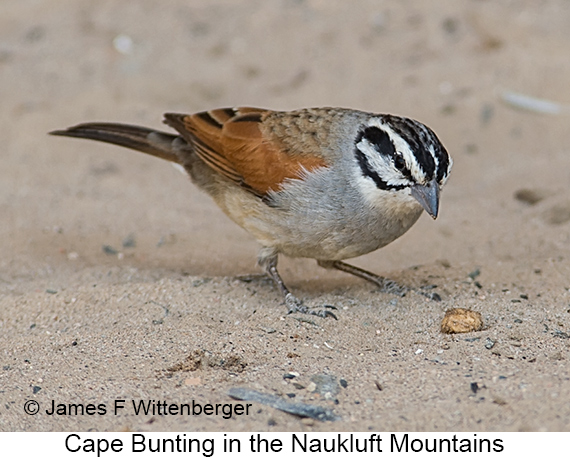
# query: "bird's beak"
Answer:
x=428 y=196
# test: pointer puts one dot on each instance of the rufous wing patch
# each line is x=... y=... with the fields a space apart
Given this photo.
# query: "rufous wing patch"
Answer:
x=232 y=143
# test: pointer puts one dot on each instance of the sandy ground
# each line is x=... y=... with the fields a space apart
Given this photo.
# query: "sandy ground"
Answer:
x=163 y=315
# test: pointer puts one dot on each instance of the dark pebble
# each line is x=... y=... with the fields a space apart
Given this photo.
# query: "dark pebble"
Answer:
x=129 y=241
x=343 y=383
x=109 y=250
x=530 y=196
x=474 y=273
x=36 y=389
x=489 y=343
x=325 y=384
x=474 y=387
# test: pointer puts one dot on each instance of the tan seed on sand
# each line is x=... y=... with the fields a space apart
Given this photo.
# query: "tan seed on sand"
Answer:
x=461 y=320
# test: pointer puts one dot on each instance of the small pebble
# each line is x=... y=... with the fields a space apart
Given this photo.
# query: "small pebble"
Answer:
x=325 y=385
x=499 y=401
x=472 y=340
x=474 y=387
x=435 y=296
x=129 y=241
x=474 y=273
x=109 y=250
x=72 y=255
x=123 y=44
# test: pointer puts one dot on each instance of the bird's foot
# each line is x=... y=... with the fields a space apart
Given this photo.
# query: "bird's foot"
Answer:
x=391 y=287
x=426 y=292
x=294 y=305
x=387 y=286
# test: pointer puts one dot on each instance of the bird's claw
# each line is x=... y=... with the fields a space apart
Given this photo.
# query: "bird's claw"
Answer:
x=294 y=305
x=388 y=286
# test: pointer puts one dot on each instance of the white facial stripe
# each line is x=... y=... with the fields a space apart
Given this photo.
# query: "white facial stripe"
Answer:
x=448 y=170
x=381 y=199
x=435 y=158
x=403 y=148
x=382 y=165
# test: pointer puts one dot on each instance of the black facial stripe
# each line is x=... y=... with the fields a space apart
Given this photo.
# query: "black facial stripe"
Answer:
x=419 y=138
x=369 y=172
x=443 y=159
x=381 y=142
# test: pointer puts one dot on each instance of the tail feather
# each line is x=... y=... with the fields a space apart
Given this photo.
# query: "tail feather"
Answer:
x=153 y=142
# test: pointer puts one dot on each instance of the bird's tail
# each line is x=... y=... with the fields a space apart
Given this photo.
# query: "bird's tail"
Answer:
x=153 y=142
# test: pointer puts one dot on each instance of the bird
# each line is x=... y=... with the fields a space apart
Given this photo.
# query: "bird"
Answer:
x=323 y=183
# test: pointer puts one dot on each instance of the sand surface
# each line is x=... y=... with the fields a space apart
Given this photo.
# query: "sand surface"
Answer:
x=162 y=313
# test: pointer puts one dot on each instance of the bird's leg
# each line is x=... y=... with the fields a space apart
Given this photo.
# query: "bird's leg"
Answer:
x=294 y=305
x=386 y=285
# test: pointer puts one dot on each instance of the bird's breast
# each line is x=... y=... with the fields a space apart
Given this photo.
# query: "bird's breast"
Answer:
x=322 y=218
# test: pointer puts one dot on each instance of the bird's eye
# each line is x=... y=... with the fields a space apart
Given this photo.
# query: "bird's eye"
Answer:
x=399 y=162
